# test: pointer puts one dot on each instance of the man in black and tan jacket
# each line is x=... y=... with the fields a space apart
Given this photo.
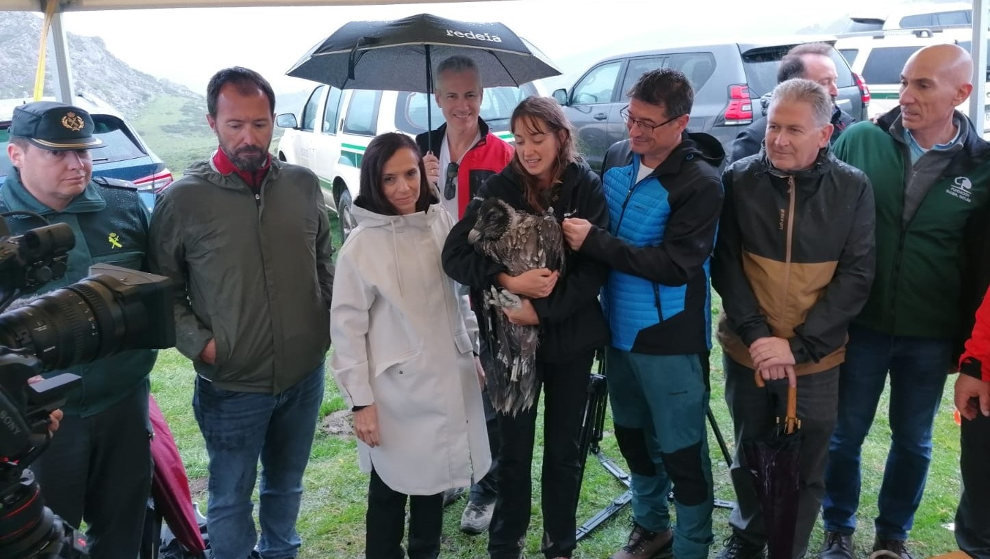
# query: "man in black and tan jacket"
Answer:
x=793 y=263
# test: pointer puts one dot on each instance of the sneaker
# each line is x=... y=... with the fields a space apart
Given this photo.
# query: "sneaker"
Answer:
x=644 y=544
x=837 y=546
x=735 y=547
x=477 y=517
x=451 y=495
x=895 y=549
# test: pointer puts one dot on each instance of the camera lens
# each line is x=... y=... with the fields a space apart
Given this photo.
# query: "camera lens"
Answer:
x=76 y=324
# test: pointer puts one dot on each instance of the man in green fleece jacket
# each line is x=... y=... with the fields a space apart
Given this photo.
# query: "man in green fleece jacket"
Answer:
x=930 y=171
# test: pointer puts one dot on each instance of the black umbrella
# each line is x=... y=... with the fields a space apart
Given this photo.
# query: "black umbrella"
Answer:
x=398 y=55
x=774 y=463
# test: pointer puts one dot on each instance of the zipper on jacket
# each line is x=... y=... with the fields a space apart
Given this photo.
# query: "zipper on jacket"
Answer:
x=792 y=196
x=656 y=295
x=257 y=199
x=622 y=213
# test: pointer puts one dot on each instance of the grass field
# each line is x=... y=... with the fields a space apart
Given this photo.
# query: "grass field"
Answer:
x=332 y=517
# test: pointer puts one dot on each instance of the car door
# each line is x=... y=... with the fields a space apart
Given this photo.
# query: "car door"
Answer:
x=326 y=143
x=305 y=151
x=593 y=98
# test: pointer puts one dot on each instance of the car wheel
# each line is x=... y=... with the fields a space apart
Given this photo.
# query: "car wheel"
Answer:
x=345 y=214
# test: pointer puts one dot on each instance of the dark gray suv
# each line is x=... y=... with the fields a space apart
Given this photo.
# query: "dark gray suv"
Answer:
x=728 y=81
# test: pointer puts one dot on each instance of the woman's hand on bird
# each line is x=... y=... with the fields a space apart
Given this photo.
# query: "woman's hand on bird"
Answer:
x=535 y=284
x=366 y=425
x=524 y=315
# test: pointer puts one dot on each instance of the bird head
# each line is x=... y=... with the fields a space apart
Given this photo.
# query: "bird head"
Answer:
x=494 y=219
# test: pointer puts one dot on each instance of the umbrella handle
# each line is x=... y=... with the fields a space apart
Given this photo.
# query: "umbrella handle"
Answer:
x=791 y=422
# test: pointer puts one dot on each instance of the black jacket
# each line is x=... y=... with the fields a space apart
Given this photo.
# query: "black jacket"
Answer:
x=571 y=320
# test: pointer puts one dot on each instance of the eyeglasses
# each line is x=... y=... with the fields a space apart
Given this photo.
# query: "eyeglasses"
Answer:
x=644 y=125
x=450 y=184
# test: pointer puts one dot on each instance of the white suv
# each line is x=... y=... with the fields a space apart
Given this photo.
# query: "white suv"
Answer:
x=336 y=127
x=880 y=57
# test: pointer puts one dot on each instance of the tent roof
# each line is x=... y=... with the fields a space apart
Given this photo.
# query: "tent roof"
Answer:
x=85 y=5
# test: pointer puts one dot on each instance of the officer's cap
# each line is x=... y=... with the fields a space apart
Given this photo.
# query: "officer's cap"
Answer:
x=54 y=126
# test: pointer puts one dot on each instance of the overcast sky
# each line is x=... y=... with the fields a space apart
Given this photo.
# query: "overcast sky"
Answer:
x=187 y=46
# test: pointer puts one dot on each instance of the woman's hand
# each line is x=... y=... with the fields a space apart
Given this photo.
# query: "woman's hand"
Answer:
x=535 y=284
x=480 y=371
x=575 y=231
x=366 y=425
x=525 y=315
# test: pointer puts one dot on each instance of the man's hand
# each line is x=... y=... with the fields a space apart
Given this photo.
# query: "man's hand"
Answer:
x=432 y=165
x=771 y=352
x=54 y=419
x=972 y=397
x=366 y=425
x=525 y=315
x=777 y=372
x=575 y=231
x=209 y=353
x=534 y=284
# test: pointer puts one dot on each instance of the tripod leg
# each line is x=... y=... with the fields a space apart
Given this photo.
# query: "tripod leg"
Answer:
x=721 y=440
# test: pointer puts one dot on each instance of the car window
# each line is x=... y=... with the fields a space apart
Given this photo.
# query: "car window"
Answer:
x=917 y=20
x=330 y=111
x=697 y=66
x=635 y=68
x=761 y=66
x=884 y=64
x=849 y=55
x=119 y=144
x=309 y=111
x=362 y=112
x=597 y=85
x=497 y=105
x=959 y=17
x=4 y=160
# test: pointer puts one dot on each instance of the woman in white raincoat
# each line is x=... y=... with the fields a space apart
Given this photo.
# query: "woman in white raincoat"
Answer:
x=404 y=357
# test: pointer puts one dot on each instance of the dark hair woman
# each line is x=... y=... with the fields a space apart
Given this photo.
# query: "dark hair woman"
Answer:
x=545 y=173
x=404 y=341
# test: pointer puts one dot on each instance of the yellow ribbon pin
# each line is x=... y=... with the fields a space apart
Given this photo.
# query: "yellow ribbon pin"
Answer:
x=114 y=241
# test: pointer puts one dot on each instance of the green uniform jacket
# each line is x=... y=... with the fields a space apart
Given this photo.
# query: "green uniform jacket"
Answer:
x=253 y=272
x=111 y=226
x=920 y=262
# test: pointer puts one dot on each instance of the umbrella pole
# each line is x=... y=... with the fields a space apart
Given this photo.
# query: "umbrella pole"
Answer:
x=429 y=100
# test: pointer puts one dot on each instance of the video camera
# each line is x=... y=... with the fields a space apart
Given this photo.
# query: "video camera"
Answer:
x=112 y=310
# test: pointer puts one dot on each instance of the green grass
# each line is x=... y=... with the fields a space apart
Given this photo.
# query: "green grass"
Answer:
x=332 y=518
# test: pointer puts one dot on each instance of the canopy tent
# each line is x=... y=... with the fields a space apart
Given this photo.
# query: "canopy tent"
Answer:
x=977 y=101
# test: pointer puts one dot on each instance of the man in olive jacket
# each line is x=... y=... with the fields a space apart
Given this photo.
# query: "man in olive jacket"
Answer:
x=930 y=174
x=246 y=239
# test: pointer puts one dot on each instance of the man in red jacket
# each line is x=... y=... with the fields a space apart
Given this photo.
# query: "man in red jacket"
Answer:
x=973 y=402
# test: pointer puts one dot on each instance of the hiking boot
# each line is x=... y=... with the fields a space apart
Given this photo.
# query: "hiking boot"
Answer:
x=735 y=547
x=644 y=544
x=476 y=517
x=837 y=546
x=451 y=495
x=895 y=549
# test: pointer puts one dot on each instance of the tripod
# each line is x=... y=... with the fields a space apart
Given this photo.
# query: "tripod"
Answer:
x=592 y=432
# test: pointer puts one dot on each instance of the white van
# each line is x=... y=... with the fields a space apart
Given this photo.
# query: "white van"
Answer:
x=336 y=127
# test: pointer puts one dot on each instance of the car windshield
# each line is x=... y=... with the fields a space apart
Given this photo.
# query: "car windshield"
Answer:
x=496 y=108
x=119 y=143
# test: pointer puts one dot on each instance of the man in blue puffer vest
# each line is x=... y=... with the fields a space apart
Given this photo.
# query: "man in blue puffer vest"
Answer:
x=664 y=198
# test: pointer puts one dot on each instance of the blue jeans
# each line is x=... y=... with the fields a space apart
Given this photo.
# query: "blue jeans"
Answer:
x=240 y=428
x=658 y=407
x=918 y=368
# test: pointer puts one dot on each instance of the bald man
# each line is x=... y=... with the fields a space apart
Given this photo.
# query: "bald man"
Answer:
x=929 y=169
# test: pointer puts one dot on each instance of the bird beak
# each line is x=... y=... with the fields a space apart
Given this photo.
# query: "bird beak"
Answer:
x=473 y=236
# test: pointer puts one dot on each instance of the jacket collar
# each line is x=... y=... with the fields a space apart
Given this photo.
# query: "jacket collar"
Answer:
x=435 y=137
x=16 y=196
x=974 y=149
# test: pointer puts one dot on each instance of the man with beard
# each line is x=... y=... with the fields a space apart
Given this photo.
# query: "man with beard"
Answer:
x=246 y=240
x=98 y=467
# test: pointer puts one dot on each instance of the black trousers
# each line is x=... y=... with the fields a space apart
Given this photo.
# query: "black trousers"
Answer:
x=565 y=389
x=386 y=520
x=98 y=469
x=973 y=515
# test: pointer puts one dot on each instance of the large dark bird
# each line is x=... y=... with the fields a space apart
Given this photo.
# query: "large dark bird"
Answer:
x=520 y=241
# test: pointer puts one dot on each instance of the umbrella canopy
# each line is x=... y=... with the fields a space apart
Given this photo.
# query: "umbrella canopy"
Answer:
x=399 y=55
x=774 y=463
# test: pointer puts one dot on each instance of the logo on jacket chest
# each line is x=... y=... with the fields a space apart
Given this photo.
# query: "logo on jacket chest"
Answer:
x=961 y=188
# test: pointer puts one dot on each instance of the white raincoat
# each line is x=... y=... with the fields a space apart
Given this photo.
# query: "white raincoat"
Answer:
x=404 y=337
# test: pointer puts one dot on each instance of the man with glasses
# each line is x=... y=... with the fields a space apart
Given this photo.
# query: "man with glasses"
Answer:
x=664 y=197
x=468 y=154
x=811 y=61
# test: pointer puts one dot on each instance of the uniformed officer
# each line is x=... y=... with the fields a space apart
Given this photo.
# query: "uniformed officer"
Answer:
x=98 y=466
